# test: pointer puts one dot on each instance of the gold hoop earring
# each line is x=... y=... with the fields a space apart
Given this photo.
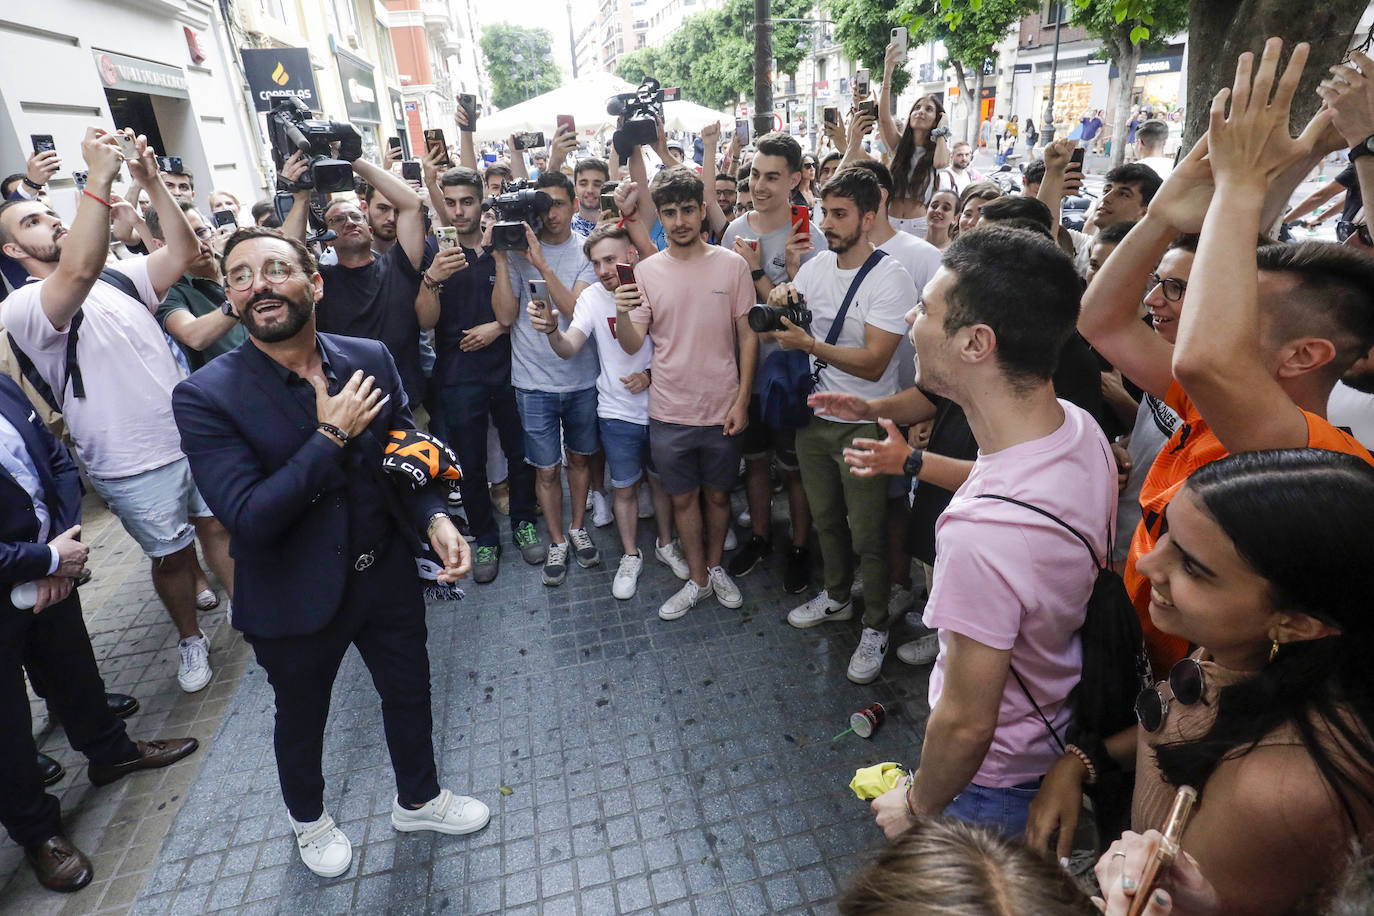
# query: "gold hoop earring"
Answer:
x=1273 y=651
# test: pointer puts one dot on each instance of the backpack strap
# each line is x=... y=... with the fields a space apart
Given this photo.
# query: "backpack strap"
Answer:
x=838 y=324
x=31 y=374
x=120 y=281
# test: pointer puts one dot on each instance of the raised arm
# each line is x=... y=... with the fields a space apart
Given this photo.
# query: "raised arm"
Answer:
x=429 y=166
x=168 y=263
x=505 y=301
x=627 y=199
x=410 y=219
x=639 y=174
x=887 y=127
x=859 y=127
x=467 y=152
x=518 y=169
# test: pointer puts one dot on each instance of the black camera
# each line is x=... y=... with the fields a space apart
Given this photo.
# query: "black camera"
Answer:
x=519 y=204
x=291 y=129
x=640 y=109
x=769 y=317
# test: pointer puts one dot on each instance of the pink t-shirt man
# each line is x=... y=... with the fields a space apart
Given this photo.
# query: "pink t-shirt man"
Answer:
x=1010 y=578
x=691 y=307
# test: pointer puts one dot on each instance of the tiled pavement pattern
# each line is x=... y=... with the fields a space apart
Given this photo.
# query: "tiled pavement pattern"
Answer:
x=682 y=767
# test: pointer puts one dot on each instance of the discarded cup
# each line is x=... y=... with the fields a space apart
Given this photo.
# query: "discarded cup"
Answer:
x=867 y=720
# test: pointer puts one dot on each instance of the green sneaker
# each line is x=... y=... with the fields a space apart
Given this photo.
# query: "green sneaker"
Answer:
x=531 y=548
x=486 y=562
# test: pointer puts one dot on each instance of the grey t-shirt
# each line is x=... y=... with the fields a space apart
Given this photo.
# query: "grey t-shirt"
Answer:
x=1155 y=422
x=534 y=366
x=773 y=259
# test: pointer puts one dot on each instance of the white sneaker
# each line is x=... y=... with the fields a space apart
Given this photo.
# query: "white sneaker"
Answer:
x=920 y=651
x=646 y=501
x=867 y=660
x=744 y=519
x=820 y=609
x=901 y=601
x=324 y=848
x=686 y=598
x=670 y=555
x=444 y=813
x=727 y=592
x=731 y=539
x=195 y=671
x=601 y=510
x=627 y=576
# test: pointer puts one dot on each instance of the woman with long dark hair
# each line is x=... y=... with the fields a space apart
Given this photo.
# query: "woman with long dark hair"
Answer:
x=919 y=150
x=1267 y=565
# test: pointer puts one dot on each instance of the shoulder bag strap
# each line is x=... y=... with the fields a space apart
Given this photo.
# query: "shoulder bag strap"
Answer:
x=838 y=324
x=1038 y=711
x=1049 y=515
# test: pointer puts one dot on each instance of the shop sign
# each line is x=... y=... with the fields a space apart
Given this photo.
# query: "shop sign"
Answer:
x=359 y=88
x=1168 y=61
x=280 y=73
x=1024 y=68
x=130 y=73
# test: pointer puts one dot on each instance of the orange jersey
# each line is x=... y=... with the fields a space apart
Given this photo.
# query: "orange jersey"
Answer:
x=1192 y=445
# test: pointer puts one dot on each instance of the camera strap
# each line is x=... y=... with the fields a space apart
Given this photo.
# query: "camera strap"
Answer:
x=838 y=324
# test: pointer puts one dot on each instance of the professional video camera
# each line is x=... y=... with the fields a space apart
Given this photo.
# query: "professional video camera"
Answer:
x=519 y=204
x=291 y=129
x=640 y=109
x=768 y=317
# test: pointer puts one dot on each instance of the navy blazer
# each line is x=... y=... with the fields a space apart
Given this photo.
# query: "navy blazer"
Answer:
x=22 y=558
x=280 y=487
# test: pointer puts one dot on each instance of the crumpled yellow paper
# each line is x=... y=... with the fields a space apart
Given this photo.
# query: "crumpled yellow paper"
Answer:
x=870 y=782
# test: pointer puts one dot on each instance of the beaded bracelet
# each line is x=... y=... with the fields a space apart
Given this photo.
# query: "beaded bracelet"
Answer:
x=1083 y=758
x=910 y=784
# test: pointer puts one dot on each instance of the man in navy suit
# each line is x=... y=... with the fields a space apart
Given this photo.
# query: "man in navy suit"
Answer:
x=40 y=515
x=285 y=438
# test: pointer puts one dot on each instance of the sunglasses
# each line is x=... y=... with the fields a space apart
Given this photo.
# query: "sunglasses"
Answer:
x=1174 y=288
x=1185 y=686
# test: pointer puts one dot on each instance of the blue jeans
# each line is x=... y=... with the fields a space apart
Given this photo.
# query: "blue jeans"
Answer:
x=1004 y=810
x=468 y=408
x=543 y=412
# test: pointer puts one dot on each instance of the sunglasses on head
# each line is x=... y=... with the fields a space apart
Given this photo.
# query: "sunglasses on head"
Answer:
x=1185 y=685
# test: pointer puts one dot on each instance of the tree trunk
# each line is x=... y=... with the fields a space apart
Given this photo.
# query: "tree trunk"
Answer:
x=1219 y=30
x=1127 y=60
x=962 y=78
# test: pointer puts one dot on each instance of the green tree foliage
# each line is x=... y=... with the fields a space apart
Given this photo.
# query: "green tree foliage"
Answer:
x=710 y=57
x=519 y=62
x=863 y=27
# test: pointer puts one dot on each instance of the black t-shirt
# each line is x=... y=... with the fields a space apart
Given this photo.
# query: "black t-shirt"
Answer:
x=1353 y=199
x=378 y=302
x=465 y=303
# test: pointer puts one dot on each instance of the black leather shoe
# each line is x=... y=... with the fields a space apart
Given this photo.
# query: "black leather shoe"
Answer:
x=121 y=704
x=59 y=865
x=151 y=756
x=49 y=770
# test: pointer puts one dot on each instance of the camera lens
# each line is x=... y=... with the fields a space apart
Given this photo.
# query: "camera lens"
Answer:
x=764 y=318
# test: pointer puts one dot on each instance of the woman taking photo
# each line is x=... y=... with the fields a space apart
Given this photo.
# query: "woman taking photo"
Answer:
x=940 y=218
x=920 y=149
x=1267 y=566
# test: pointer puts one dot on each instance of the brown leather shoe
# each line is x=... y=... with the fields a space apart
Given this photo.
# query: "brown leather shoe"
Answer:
x=59 y=865
x=151 y=755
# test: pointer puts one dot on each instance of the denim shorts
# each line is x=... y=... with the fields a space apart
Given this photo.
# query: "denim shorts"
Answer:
x=543 y=412
x=1004 y=810
x=156 y=506
x=627 y=450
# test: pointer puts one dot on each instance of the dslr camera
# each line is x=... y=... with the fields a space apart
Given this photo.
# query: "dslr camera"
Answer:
x=519 y=204
x=291 y=129
x=769 y=318
x=640 y=109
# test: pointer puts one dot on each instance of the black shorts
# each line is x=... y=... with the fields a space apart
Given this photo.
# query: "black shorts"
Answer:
x=688 y=457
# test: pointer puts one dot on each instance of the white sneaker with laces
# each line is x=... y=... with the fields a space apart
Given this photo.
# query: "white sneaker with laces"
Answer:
x=324 y=848
x=727 y=592
x=901 y=601
x=601 y=510
x=867 y=660
x=444 y=813
x=194 y=672
x=731 y=539
x=920 y=651
x=686 y=598
x=670 y=555
x=627 y=576
x=820 y=609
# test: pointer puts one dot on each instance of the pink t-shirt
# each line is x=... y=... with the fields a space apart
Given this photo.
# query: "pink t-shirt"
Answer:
x=1010 y=578
x=690 y=307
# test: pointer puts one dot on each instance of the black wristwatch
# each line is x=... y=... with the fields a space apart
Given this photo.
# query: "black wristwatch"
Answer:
x=28 y=183
x=1364 y=148
x=914 y=462
x=757 y=274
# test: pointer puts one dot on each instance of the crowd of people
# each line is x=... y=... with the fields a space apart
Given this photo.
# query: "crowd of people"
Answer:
x=958 y=398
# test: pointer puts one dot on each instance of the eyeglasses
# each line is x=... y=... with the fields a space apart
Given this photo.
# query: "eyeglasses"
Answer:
x=275 y=271
x=1174 y=288
x=350 y=216
x=205 y=233
x=1185 y=685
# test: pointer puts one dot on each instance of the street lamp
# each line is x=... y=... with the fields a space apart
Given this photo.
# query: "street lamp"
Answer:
x=1048 y=127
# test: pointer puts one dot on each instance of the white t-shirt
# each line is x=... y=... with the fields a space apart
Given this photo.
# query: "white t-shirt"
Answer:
x=124 y=425
x=1354 y=410
x=883 y=300
x=594 y=315
x=920 y=259
x=1163 y=165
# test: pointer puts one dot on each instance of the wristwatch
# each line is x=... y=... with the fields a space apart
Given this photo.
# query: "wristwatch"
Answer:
x=914 y=462
x=434 y=517
x=1363 y=148
x=757 y=274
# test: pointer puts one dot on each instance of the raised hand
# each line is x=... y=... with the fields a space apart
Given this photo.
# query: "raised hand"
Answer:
x=1183 y=199
x=102 y=156
x=43 y=165
x=1349 y=93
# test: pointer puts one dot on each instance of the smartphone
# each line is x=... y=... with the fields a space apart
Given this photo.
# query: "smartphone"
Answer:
x=223 y=218
x=801 y=219
x=608 y=204
x=1076 y=157
x=742 y=130
x=410 y=170
x=626 y=273
x=42 y=142
x=539 y=291
x=901 y=38
x=447 y=236
x=468 y=102
x=80 y=179
x=170 y=164
x=861 y=84
x=394 y=142
x=529 y=139
x=566 y=121
x=868 y=107
x=435 y=138
x=126 y=145
x=832 y=116
x=1167 y=850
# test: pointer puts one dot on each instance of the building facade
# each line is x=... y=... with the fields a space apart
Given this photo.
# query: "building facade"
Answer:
x=437 y=58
